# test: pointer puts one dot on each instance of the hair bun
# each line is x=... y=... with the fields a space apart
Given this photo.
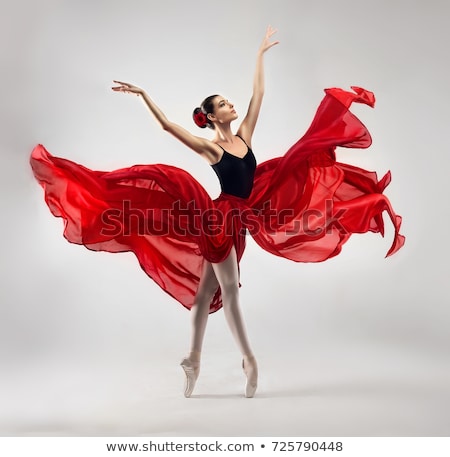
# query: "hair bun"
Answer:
x=200 y=118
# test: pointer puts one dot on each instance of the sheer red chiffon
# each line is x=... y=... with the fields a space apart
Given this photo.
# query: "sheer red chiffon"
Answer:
x=304 y=205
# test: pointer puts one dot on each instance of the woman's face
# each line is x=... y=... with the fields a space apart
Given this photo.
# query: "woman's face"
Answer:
x=224 y=111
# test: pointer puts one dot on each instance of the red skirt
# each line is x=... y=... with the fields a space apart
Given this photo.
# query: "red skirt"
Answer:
x=304 y=205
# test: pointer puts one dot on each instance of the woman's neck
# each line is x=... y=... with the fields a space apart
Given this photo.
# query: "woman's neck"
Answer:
x=224 y=134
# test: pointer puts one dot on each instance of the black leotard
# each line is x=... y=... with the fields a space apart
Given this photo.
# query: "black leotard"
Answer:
x=235 y=173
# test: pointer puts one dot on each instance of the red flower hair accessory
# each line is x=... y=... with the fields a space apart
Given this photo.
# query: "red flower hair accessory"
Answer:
x=200 y=118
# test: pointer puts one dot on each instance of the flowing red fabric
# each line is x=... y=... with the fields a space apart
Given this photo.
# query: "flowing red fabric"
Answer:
x=304 y=205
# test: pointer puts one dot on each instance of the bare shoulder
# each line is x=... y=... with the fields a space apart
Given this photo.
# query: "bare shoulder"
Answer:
x=202 y=146
x=211 y=151
x=245 y=135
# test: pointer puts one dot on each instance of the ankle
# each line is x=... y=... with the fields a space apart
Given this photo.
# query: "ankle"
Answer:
x=194 y=357
x=249 y=358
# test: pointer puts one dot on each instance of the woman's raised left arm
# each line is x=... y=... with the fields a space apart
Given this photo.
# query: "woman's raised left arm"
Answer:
x=248 y=124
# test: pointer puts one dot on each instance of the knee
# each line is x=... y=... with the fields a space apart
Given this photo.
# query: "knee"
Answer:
x=206 y=294
x=229 y=289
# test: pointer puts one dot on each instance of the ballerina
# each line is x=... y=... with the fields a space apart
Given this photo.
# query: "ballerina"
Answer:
x=218 y=113
x=302 y=206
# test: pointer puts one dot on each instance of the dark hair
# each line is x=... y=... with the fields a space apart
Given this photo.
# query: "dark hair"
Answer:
x=200 y=115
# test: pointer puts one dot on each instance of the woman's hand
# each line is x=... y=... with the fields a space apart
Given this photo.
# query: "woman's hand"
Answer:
x=266 y=44
x=127 y=88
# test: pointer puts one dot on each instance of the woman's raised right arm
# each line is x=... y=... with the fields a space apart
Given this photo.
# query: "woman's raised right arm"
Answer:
x=200 y=145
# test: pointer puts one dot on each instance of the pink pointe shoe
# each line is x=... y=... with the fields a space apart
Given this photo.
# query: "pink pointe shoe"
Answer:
x=251 y=371
x=191 y=370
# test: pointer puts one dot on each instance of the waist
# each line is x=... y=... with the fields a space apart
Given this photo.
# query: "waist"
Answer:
x=230 y=197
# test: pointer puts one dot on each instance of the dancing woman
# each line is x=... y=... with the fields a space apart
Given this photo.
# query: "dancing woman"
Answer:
x=302 y=206
x=232 y=158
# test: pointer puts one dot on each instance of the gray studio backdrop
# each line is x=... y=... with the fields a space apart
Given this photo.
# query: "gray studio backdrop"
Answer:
x=358 y=345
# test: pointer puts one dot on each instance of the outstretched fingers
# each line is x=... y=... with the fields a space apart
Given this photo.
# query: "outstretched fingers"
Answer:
x=270 y=31
x=267 y=44
x=126 y=88
x=122 y=86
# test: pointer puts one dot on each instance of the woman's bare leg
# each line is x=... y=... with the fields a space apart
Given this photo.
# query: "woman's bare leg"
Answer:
x=199 y=318
x=227 y=274
x=200 y=309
